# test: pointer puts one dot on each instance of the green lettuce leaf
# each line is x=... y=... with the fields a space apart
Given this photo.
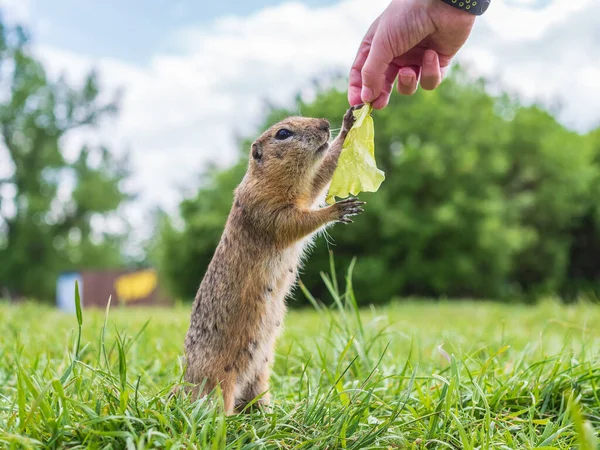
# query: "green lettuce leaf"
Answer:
x=356 y=170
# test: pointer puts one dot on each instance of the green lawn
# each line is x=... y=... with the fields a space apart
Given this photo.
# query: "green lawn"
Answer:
x=460 y=375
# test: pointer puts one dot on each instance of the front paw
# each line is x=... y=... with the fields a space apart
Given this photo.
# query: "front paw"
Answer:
x=349 y=118
x=345 y=209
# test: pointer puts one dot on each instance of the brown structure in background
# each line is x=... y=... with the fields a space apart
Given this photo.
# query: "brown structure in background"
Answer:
x=125 y=287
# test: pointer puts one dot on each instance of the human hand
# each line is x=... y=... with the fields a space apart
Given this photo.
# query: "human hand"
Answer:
x=410 y=40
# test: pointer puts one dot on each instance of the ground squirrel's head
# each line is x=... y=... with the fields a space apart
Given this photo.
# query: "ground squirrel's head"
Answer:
x=292 y=146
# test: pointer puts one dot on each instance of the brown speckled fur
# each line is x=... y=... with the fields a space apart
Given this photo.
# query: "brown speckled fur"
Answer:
x=239 y=308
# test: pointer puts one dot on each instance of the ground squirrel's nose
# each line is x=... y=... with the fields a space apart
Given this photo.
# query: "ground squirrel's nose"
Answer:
x=324 y=125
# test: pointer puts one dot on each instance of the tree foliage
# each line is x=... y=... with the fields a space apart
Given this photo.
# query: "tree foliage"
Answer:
x=483 y=197
x=48 y=203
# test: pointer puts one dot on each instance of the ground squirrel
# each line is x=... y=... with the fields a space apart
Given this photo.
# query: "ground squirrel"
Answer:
x=239 y=308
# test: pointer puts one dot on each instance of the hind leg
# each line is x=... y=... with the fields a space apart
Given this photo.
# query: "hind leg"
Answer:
x=227 y=389
x=227 y=386
x=258 y=386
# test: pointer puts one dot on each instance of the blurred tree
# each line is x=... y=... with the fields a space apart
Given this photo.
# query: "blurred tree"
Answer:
x=480 y=197
x=48 y=205
x=183 y=255
x=583 y=274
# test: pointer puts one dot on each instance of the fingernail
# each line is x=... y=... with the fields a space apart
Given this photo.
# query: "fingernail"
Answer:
x=367 y=94
x=429 y=57
x=406 y=80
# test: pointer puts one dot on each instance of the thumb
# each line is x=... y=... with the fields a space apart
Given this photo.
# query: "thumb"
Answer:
x=392 y=39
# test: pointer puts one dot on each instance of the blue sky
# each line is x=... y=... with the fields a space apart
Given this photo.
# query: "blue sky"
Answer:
x=136 y=30
x=131 y=30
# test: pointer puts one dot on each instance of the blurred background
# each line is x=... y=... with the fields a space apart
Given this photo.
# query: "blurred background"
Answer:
x=125 y=128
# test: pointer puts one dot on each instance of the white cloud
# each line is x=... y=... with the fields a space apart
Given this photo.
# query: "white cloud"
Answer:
x=517 y=21
x=182 y=109
x=545 y=54
x=16 y=10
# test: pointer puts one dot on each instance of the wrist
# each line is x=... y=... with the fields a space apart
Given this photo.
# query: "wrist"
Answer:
x=444 y=15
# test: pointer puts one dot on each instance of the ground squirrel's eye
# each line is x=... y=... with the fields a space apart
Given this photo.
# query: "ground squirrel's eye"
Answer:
x=283 y=134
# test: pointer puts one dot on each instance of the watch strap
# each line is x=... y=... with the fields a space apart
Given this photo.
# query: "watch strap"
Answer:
x=476 y=7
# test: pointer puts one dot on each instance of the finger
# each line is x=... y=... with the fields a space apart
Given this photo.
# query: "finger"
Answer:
x=431 y=75
x=390 y=75
x=388 y=43
x=376 y=65
x=408 y=78
x=355 y=78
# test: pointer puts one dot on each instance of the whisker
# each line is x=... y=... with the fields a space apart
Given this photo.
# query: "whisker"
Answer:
x=328 y=239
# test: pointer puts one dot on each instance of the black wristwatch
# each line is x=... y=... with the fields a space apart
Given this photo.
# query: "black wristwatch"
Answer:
x=476 y=7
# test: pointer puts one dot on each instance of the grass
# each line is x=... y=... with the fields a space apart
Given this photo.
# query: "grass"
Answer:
x=415 y=375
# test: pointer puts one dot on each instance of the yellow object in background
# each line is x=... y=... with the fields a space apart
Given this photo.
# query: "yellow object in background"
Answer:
x=136 y=286
x=357 y=170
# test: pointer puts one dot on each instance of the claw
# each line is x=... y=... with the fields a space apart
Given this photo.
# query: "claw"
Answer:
x=349 y=207
x=354 y=211
x=349 y=119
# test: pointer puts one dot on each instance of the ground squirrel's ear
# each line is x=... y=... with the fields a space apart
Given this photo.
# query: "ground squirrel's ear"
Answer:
x=257 y=151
